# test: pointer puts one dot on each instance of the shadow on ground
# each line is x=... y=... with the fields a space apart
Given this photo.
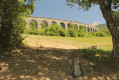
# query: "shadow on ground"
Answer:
x=54 y=64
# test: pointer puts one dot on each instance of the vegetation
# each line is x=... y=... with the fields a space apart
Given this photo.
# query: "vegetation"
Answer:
x=103 y=28
x=109 y=9
x=32 y=30
x=72 y=31
x=104 y=43
x=11 y=24
x=56 y=30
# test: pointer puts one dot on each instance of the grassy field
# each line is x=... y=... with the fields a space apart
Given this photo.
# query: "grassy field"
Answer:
x=104 y=43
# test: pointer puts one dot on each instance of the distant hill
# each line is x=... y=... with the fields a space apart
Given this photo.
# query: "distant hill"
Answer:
x=102 y=27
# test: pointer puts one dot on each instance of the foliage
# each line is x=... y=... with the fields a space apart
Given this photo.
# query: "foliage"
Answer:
x=12 y=21
x=110 y=12
x=73 y=32
x=33 y=29
x=43 y=25
x=103 y=28
x=53 y=30
x=100 y=34
x=56 y=30
x=81 y=31
x=87 y=4
x=73 y=26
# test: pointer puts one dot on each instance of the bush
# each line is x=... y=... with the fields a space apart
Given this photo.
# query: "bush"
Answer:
x=61 y=31
x=32 y=30
x=41 y=32
x=80 y=33
x=73 y=32
x=54 y=30
x=100 y=34
x=50 y=33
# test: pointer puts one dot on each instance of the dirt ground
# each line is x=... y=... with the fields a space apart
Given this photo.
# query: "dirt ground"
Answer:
x=47 y=60
x=33 y=63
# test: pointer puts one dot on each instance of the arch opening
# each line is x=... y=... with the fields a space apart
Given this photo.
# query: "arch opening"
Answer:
x=53 y=22
x=62 y=25
x=88 y=29
x=69 y=25
x=44 y=24
x=93 y=30
x=33 y=24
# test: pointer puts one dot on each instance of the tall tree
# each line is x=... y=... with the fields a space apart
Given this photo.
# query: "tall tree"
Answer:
x=110 y=11
x=12 y=21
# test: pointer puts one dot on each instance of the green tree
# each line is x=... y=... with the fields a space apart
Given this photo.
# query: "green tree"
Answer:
x=81 y=31
x=109 y=9
x=12 y=21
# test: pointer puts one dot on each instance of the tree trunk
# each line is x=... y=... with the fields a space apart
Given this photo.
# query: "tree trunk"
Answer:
x=115 y=51
x=111 y=24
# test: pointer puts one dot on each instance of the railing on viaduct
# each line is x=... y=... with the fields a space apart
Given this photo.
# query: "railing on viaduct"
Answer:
x=63 y=23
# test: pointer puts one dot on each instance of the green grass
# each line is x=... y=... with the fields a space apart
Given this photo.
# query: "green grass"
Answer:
x=105 y=43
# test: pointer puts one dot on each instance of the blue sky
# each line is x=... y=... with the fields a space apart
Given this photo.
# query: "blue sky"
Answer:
x=58 y=9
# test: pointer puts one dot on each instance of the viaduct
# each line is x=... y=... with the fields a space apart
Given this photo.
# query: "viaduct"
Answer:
x=63 y=23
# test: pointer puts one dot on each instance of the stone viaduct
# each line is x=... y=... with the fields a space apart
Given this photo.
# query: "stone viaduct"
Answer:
x=62 y=23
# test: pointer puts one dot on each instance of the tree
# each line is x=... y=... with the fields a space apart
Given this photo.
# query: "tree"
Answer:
x=110 y=11
x=12 y=21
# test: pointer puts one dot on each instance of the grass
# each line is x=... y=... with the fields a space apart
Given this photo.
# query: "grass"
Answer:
x=45 y=58
x=104 y=43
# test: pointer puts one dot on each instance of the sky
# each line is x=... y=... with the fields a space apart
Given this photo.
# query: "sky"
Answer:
x=58 y=9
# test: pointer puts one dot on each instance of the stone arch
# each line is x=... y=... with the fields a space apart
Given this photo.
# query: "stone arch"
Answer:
x=68 y=25
x=33 y=22
x=44 y=24
x=96 y=30
x=93 y=30
x=88 y=29
x=81 y=26
x=85 y=27
x=53 y=22
x=62 y=25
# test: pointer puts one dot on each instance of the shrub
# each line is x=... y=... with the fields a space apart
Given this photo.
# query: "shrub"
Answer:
x=54 y=30
x=73 y=32
x=41 y=32
x=50 y=33
x=80 y=33
x=100 y=34
x=91 y=33
x=34 y=31
x=61 y=31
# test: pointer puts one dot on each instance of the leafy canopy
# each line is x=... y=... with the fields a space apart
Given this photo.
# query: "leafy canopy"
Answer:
x=86 y=4
x=12 y=15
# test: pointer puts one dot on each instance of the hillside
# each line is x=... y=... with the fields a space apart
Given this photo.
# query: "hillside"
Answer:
x=102 y=27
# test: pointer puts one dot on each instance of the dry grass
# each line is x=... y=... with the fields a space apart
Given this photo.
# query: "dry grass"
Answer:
x=40 y=61
x=51 y=64
x=104 y=43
